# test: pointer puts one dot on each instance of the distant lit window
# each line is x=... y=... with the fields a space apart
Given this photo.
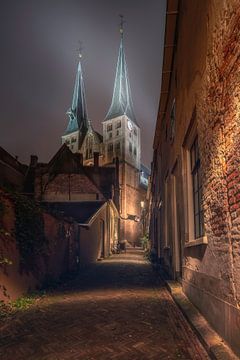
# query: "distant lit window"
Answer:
x=118 y=125
x=109 y=127
x=197 y=189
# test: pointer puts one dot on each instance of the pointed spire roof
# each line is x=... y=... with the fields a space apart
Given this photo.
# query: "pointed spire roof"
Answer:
x=78 y=116
x=121 y=99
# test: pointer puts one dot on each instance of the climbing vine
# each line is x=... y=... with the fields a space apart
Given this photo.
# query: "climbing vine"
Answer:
x=29 y=230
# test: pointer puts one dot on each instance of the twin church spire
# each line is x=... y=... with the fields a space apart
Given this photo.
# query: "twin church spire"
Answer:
x=121 y=100
x=78 y=116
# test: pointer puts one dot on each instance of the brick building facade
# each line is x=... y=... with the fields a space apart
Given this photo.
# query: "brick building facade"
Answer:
x=195 y=211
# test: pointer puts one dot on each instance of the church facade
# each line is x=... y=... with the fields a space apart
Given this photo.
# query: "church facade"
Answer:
x=121 y=140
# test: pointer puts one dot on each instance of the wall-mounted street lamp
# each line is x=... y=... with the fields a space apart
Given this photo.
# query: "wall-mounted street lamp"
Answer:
x=131 y=217
x=142 y=203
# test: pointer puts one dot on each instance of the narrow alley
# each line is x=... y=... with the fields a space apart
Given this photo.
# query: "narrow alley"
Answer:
x=116 y=309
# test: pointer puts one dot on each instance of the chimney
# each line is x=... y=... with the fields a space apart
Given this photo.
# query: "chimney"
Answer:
x=33 y=161
x=96 y=159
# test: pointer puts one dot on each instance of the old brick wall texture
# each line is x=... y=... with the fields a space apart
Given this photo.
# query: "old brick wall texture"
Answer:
x=206 y=81
x=131 y=196
x=64 y=187
x=60 y=258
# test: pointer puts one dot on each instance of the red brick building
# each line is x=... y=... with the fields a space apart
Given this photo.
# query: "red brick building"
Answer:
x=195 y=213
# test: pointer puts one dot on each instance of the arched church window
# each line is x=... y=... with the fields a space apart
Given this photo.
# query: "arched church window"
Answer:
x=130 y=147
x=118 y=124
x=109 y=127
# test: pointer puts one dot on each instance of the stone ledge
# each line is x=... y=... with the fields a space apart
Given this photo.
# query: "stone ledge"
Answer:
x=212 y=342
x=200 y=241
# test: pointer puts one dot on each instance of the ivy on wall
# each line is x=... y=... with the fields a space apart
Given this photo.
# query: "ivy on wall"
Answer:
x=29 y=230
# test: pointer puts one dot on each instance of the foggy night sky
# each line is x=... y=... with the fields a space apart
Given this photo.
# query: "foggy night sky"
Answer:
x=38 y=64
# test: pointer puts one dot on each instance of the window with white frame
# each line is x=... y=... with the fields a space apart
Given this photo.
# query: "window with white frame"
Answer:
x=196 y=189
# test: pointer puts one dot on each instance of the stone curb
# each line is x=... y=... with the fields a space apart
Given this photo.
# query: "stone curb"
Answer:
x=212 y=342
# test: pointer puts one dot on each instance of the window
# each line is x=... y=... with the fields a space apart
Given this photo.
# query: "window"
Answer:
x=109 y=127
x=135 y=131
x=130 y=147
x=197 y=189
x=172 y=121
x=73 y=140
x=117 y=146
x=110 y=148
x=118 y=125
x=117 y=133
x=135 y=151
x=110 y=135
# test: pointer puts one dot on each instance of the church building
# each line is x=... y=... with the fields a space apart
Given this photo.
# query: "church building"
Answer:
x=121 y=140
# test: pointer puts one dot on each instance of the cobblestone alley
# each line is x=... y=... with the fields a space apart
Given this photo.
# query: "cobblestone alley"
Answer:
x=116 y=309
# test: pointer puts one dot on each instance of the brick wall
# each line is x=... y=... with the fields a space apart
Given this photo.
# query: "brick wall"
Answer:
x=60 y=258
x=65 y=187
x=131 y=196
x=205 y=84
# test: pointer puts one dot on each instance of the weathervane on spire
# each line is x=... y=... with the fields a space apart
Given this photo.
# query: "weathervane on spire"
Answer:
x=80 y=49
x=121 y=24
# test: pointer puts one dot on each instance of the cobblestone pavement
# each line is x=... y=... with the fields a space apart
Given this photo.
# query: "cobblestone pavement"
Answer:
x=116 y=309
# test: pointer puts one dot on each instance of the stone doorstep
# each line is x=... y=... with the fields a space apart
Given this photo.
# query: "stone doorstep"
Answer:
x=213 y=343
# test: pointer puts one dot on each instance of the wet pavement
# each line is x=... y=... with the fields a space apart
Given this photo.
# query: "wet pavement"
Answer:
x=115 y=309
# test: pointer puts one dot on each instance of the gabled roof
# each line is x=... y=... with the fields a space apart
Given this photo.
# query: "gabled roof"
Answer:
x=65 y=161
x=121 y=99
x=82 y=211
x=78 y=116
x=8 y=159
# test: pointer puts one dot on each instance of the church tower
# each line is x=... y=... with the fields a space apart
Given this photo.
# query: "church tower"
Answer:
x=121 y=132
x=80 y=135
x=121 y=138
